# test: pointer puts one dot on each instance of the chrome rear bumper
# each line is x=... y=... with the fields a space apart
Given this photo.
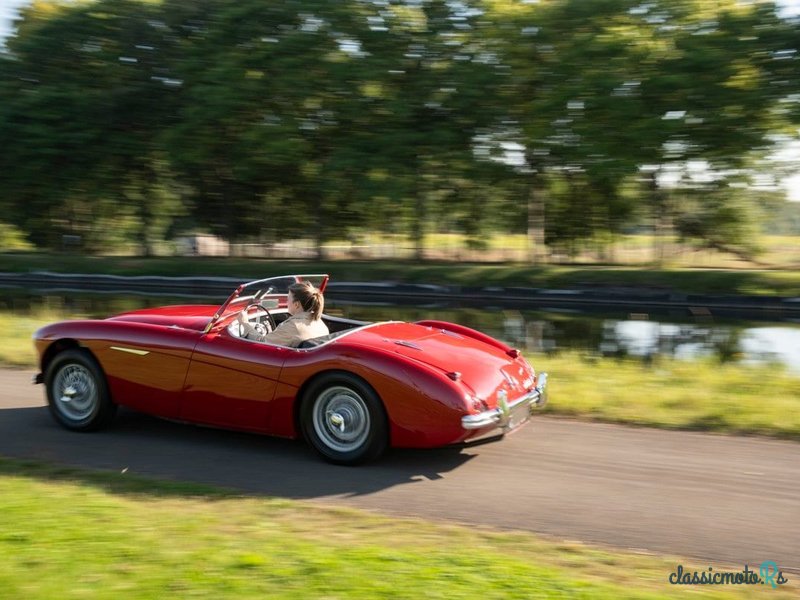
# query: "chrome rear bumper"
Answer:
x=510 y=415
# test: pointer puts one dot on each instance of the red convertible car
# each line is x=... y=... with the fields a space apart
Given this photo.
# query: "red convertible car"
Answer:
x=350 y=394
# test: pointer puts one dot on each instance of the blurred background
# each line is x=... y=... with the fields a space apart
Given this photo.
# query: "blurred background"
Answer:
x=611 y=131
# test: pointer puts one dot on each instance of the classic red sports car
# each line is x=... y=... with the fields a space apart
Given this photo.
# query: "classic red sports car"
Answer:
x=350 y=394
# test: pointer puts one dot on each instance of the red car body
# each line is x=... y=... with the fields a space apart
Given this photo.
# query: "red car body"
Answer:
x=437 y=383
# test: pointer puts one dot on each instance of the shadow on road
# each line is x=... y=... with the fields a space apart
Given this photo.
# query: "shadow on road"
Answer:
x=142 y=445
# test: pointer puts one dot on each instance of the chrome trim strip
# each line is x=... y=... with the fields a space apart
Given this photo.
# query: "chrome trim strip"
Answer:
x=498 y=417
x=131 y=350
x=407 y=344
x=345 y=333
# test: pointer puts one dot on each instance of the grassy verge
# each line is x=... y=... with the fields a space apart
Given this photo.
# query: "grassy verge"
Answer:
x=17 y=348
x=700 y=281
x=72 y=534
x=680 y=394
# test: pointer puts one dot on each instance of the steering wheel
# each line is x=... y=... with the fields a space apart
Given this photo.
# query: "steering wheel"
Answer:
x=261 y=329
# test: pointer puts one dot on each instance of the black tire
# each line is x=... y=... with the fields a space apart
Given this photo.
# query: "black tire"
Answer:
x=344 y=420
x=77 y=392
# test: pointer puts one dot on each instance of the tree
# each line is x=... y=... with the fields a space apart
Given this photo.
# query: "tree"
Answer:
x=604 y=88
x=88 y=89
x=433 y=77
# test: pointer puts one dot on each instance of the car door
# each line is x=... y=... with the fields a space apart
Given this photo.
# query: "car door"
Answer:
x=145 y=365
x=231 y=382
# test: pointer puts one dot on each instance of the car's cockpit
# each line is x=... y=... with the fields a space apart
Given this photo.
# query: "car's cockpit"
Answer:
x=257 y=308
x=266 y=320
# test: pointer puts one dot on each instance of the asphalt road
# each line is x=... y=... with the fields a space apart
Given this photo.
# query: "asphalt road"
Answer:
x=733 y=500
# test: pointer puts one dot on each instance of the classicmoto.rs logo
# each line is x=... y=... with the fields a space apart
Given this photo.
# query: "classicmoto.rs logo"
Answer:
x=768 y=574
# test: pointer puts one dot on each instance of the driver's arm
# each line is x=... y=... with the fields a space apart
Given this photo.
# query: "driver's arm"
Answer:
x=248 y=330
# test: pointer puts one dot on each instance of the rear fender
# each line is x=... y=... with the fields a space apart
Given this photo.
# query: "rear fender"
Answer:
x=466 y=331
x=424 y=407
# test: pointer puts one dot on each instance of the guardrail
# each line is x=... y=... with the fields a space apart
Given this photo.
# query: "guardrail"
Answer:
x=603 y=298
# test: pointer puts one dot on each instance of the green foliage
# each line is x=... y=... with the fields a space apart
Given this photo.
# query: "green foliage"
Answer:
x=11 y=238
x=88 y=93
x=718 y=219
x=131 y=120
x=783 y=218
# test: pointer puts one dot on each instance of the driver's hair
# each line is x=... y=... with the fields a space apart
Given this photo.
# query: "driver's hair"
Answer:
x=309 y=297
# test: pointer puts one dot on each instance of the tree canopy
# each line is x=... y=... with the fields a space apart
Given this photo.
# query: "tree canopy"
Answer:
x=130 y=120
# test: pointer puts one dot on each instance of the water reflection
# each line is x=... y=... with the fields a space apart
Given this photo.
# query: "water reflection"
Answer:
x=614 y=335
x=775 y=344
x=648 y=339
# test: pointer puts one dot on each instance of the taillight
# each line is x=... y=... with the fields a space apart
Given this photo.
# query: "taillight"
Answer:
x=476 y=404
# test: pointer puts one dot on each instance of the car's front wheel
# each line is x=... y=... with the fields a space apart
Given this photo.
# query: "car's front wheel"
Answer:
x=344 y=420
x=77 y=393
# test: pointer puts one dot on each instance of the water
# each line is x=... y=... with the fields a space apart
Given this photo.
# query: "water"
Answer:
x=639 y=335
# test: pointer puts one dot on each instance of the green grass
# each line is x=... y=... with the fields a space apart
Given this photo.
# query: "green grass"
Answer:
x=74 y=534
x=677 y=394
x=17 y=348
x=779 y=282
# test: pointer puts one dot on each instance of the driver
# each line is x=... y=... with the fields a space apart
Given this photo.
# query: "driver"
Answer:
x=305 y=304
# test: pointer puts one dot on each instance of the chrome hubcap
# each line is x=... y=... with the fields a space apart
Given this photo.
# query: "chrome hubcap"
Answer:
x=337 y=421
x=341 y=419
x=76 y=392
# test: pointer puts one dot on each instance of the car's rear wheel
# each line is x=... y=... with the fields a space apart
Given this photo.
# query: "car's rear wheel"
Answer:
x=77 y=392
x=344 y=420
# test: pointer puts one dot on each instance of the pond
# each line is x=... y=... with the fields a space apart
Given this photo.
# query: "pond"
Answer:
x=641 y=335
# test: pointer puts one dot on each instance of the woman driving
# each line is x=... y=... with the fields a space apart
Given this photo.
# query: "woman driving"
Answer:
x=305 y=304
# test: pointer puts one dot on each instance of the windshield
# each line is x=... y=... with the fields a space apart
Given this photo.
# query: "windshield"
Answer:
x=270 y=293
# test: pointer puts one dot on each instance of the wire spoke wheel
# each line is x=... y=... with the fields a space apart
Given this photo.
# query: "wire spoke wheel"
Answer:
x=76 y=392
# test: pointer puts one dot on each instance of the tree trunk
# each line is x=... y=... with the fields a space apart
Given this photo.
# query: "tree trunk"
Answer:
x=418 y=220
x=657 y=203
x=146 y=211
x=228 y=216
x=536 y=222
x=319 y=225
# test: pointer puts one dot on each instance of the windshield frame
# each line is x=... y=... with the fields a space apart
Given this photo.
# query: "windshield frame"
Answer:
x=264 y=289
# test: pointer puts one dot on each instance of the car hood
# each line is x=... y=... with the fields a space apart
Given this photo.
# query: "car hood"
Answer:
x=190 y=316
x=484 y=368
